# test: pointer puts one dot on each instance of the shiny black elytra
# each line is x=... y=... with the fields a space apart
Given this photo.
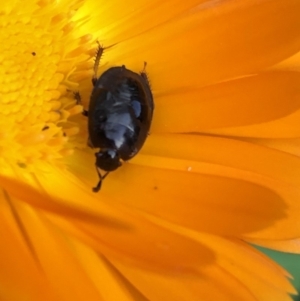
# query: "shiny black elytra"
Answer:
x=119 y=116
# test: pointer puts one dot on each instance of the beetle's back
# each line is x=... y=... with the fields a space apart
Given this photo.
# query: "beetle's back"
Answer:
x=120 y=111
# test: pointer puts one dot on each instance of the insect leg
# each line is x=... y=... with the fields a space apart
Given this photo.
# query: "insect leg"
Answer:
x=97 y=62
x=77 y=97
x=101 y=178
x=144 y=75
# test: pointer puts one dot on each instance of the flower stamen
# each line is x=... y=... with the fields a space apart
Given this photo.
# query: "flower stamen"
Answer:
x=41 y=62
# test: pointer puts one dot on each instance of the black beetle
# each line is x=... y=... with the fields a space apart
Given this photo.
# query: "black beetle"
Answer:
x=119 y=116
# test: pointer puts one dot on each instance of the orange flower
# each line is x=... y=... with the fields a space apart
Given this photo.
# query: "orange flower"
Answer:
x=217 y=171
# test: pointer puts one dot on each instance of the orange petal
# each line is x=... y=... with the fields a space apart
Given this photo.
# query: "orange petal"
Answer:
x=148 y=246
x=137 y=16
x=20 y=275
x=198 y=182
x=264 y=278
x=290 y=246
x=291 y=146
x=286 y=127
x=68 y=207
x=207 y=197
x=131 y=237
x=55 y=258
x=205 y=43
x=237 y=103
x=292 y=63
x=204 y=199
x=212 y=284
x=233 y=153
x=198 y=192
x=110 y=283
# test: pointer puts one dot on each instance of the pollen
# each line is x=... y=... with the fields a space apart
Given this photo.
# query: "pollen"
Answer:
x=40 y=51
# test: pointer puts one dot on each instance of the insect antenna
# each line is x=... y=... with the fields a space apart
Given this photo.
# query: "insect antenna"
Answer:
x=101 y=178
x=98 y=56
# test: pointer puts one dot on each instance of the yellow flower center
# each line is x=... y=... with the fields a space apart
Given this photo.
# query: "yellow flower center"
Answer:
x=43 y=61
